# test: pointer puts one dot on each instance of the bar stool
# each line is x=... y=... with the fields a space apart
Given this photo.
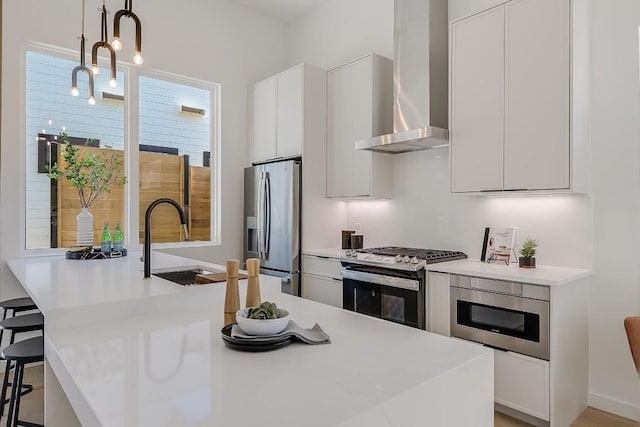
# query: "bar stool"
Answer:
x=16 y=305
x=16 y=325
x=27 y=351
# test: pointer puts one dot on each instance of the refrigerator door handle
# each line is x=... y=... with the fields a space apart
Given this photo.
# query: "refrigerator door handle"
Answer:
x=267 y=227
x=260 y=215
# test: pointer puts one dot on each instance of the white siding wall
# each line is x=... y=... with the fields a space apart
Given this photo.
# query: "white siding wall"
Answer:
x=162 y=124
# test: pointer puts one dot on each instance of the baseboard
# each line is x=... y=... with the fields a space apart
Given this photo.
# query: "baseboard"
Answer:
x=520 y=415
x=618 y=407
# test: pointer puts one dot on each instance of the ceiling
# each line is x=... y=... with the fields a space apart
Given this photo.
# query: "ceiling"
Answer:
x=284 y=11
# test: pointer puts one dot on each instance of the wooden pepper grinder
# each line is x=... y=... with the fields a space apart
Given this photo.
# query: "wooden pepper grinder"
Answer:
x=253 y=284
x=232 y=295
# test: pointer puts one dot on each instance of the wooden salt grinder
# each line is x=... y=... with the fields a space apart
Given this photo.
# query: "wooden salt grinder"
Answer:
x=232 y=295
x=253 y=285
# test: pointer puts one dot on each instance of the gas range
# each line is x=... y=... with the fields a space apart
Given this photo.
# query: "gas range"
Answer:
x=398 y=258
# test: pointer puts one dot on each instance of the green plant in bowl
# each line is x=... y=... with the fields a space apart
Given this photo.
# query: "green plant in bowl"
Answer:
x=266 y=319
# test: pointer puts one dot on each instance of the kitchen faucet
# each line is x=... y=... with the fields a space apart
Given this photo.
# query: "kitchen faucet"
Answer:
x=146 y=254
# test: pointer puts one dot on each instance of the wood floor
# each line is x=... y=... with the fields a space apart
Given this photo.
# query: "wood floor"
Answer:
x=32 y=409
x=32 y=404
x=590 y=418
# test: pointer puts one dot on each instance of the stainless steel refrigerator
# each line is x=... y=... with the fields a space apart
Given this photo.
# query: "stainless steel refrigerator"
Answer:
x=272 y=220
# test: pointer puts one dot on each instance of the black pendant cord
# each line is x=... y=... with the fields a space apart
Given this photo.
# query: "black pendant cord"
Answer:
x=82 y=67
x=103 y=43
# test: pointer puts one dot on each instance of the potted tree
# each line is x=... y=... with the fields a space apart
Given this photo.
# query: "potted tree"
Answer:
x=92 y=174
x=528 y=252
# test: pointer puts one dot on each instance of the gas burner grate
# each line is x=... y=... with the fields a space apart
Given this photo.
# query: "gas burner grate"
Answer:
x=429 y=255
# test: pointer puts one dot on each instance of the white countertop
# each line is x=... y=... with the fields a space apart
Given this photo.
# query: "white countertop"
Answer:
x=541 y=275
x=129 y=351
x=55 y=282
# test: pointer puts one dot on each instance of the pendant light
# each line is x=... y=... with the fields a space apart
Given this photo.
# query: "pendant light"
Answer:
x=103 y=43
x=82 y=67
x=116 y=43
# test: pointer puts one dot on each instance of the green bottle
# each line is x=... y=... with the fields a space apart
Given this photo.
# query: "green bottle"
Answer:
x=118 y=238
x=105 y=239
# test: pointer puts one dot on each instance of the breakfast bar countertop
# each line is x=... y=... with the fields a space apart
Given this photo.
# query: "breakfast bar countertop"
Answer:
x=133 y=352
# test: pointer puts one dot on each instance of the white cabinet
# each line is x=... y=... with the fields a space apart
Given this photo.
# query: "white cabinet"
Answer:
x=511 y=100
x=278 y=107
x=264 y=116
x=359 y=102
x=321 y=279
x=439 y=303
x=289 y=120
x=477 y=102
x=536 y=152
x=522 y=383
x=555 y=390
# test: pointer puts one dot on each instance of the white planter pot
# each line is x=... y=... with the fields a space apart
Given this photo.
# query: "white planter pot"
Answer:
x=85 y=228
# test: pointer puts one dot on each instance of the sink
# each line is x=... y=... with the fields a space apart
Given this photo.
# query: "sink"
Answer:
x=185 y=276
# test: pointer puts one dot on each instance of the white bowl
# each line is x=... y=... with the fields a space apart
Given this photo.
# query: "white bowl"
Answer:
x=262 y=326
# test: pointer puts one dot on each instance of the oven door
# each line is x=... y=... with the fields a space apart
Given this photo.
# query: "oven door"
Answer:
x=388 y=297
x=507 y=322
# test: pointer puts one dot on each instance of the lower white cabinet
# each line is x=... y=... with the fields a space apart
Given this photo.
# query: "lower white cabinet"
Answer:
x=321 y=280
x=327 y=290
x=522 y=383
x=438 y=303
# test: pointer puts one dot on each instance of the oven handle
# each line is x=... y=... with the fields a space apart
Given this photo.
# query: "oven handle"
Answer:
x=380 y=279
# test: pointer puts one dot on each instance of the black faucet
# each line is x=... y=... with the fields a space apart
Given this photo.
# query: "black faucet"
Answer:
x=146 y=254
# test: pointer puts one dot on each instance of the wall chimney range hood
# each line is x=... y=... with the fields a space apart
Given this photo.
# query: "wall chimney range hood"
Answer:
x=420 y=74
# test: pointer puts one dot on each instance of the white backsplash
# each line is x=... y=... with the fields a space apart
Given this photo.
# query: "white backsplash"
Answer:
x=424 y=214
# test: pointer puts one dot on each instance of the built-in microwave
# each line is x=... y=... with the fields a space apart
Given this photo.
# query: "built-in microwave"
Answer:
x=506 y=315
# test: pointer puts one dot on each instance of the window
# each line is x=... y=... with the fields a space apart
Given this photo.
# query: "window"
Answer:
x=174 y=154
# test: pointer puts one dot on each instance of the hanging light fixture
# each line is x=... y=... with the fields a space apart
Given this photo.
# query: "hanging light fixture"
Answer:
x=116 y=43
x=103 y=43
x=82 y=67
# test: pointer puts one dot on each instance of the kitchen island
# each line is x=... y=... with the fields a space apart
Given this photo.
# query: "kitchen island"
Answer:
x=124 y=351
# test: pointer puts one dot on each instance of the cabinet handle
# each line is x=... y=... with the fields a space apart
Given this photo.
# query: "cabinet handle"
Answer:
x=336 y=279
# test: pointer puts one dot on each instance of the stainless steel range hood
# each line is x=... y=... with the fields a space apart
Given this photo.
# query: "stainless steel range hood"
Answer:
x=420 y=87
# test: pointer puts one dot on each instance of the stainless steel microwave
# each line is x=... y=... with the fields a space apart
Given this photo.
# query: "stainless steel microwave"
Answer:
x=506 y=315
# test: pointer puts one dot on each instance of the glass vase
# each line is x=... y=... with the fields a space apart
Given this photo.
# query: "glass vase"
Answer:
x=84 y=222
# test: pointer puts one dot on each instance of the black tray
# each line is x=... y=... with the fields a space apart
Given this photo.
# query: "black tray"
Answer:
x=95 y=253
x=247 y=345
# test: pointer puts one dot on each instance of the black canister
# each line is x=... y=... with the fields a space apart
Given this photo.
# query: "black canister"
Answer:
x=357 y=241
x=346 y=238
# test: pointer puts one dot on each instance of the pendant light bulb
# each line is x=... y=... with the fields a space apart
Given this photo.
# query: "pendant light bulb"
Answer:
x=116 y=44
x=113 y=83
x=74 y=91
x=138 y=59
x=92 y=100
x=95 y=70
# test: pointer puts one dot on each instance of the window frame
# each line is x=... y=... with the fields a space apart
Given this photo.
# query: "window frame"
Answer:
x=132 y=74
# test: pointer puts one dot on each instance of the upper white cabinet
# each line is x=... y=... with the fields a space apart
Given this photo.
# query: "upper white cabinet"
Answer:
x=264 y=117
x=477 y=102
x=512 y=125
x=278 y=113
x=537 y=80
x=359 y=106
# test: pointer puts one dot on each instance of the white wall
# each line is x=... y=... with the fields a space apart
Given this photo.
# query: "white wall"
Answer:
x=217 y=41
x=615 y=130
x=341 y=30
x=597 y=230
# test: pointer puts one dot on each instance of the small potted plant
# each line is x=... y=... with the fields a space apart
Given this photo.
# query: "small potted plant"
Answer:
x=92 y=174
x=528 y=252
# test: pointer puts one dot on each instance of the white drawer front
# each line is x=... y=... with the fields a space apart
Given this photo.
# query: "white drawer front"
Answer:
x=321 y=289
x=320 y=266
x=522 y=383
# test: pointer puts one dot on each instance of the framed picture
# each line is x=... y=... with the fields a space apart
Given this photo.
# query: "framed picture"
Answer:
x=498 y=244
